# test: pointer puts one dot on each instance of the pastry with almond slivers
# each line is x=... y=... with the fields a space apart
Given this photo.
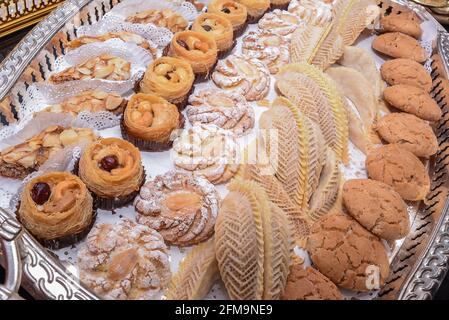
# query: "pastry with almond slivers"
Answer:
x=166 y=18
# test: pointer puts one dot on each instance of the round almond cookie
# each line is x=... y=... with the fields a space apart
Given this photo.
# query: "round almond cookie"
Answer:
x=309 y=284
x=377 y=207
x=413 y=100
x=406 y=71
x=347 y=253
x=399 y=45
x=409 y=132
x=400 y=169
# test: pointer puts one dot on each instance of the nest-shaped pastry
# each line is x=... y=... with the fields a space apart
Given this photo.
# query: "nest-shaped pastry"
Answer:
x=124 y=261
x=218 y=27
x=312 y=12
x=149 y=121
x=196 y=274
x=253 y=243
x=106 y=67
x=242 y=75
x=92 y=101
x=268 y=47
x=198 y=49
x=223 y=109
x=112 y=169
x=207 y=150
x=280 y=22
x=170 y=78
x=166 y=18
x=234 y=11
x=55 y=206
x=182 y=207
x=255 y=8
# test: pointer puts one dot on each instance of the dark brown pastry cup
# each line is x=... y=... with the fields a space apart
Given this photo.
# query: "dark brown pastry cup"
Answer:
x=67 y=240
x=283 y=6
x=255 y=19
x=222 y=54
x=181 y=102
x=145 y=145
x=240 y=30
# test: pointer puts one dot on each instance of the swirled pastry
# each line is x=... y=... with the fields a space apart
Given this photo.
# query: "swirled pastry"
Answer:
x=207 y=150
x=56 y=208
x=270 y=48
x=235 y=12
x=112 y=170
x=149 y=121
x=125 y=261
x=223 y=109
x=312 y=12
x=167 y=18
x=242 y=75
x=198 y=49
x=280 y=22
x=218 y=27
x=169 y=78
x=255 y=8
x=91 y=101
x=20 y=160
x=122 y=35
x=182 y=207
x=106 y=67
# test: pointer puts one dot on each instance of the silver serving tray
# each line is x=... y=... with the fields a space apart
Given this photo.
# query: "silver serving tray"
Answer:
x=417 y=269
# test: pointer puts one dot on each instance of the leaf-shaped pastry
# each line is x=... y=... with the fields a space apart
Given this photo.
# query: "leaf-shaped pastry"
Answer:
x=291 y=73
x=306 y=40
x=239 y=245
x=357 y=133
x=329 y=51
x=196 y=274
x=353 y=16
x=326 y=194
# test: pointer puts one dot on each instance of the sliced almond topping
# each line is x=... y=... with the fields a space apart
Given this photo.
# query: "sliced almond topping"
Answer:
x=122 y=264
x=113 y=102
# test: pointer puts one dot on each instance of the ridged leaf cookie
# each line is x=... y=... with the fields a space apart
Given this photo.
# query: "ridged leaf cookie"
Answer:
x=306 y=40
x=195 y=275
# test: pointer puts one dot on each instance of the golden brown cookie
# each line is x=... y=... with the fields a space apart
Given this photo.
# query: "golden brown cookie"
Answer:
x=409 y=132
x=345 y=252
x=399 y=45
x=413 y=100
x=406 y=22
x=400 y=169
x=406 y=71
x=377 y=207
x=309 y=284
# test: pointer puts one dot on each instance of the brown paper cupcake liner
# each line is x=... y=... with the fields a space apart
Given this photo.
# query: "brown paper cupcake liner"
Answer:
x=182 y=102
x=240 y=30
x=255 y=19
x=222 y=54
x=145 y=145
x=281 y=6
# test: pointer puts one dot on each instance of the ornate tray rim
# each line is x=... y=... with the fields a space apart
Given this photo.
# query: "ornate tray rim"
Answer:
x=59 y=283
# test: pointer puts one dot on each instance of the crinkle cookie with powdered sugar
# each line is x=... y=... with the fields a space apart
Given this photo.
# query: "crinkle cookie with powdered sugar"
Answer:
x=224 y=109
x=280 y=22
x=181 y=206
x=124 y=261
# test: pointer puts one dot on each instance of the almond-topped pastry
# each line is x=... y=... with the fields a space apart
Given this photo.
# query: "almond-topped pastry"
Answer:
x=409 y=132
x=400 y=169
x=399 y=45
x=170 y=78
x=166 y=18
x=406 y=71
x=243 y=75
x=315 y=12
x=280 y=22
x=122 y=35
x=218 y=27
x=92 y=101
x=124 y=261
x=404 y=21
x=112 y=170
x=20 y=160
x=270 y=48
x=106 y=67
x=56 y=208
x=198 y=49
x=181 y=206
x=235 y=12
x=255 y=8
x=207 y=150
x=149 y=121
x=223 y=109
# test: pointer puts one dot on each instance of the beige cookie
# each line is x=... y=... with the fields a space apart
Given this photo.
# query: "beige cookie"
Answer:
x=309 y=284
x=409 y=132
x=406 y=71
x=400 y=169
x=413 y=100
x=377 y=207
x=405 y=22
x=347 y=253
x=399 y=45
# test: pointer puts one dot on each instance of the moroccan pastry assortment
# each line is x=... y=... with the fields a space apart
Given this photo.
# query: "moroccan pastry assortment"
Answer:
x=330 y=97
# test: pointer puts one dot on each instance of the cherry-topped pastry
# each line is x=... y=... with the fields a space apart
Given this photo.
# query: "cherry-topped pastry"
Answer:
x=235 y=12
x=217 y=26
